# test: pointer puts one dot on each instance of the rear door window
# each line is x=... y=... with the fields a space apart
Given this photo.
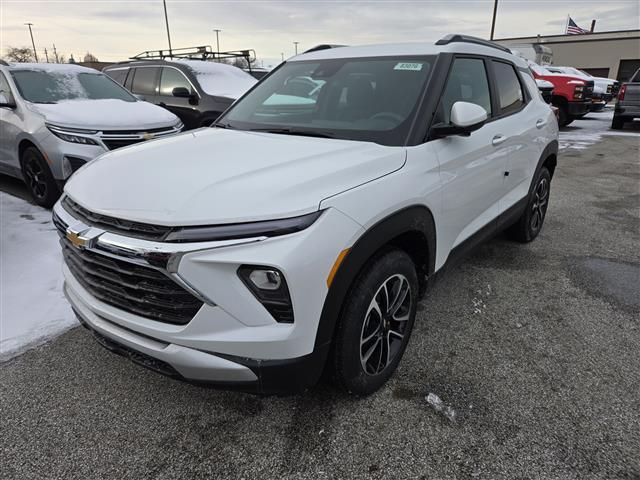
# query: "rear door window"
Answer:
x=510 y=94
x=145 y=80
x=172 y=78
x=119 y=75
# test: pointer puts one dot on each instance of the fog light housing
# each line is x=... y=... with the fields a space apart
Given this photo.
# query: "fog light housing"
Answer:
x=269 y=287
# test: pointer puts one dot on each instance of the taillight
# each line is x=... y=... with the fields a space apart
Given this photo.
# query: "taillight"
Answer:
x=623 y=89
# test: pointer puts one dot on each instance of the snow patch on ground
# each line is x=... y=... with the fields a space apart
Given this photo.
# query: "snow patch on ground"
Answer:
x=583 y=133
x=440 y=407
x=32 y=306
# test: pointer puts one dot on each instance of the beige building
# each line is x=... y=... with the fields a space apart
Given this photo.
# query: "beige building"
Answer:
x=602 y=54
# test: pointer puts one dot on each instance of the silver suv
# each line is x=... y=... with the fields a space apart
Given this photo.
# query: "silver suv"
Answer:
x=55 y=118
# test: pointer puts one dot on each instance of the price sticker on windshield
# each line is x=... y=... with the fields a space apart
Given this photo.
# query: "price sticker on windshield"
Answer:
x=414 y=67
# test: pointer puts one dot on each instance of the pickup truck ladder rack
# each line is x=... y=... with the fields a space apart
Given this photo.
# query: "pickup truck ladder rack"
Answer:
x=204 y=52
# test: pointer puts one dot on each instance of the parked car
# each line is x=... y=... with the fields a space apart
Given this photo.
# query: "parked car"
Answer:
x=197 y=91
x=571 y=94
x=255 y=254
x=628 y=105
x=602 y=89
x=546 y=89
x=55 y=118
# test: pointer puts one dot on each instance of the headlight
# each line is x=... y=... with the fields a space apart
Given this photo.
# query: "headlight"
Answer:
x=73 y=135
x=268 y=228
x=270 y=288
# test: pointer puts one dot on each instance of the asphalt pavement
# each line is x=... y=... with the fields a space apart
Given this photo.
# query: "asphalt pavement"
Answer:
x=533 y=352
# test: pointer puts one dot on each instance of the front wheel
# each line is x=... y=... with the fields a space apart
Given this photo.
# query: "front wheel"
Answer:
x=376 y=322
x=530 y=223
x=38 y=177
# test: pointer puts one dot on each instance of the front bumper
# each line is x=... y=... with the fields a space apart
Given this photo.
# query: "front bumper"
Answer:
x=232 y=341
x=578 y=108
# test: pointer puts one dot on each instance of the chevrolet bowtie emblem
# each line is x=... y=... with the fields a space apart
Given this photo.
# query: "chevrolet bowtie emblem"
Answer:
x=76 y=240
x=147 y=136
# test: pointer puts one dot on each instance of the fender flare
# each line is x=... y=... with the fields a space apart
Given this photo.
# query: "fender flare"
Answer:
x=417 y=218
x=549 y=150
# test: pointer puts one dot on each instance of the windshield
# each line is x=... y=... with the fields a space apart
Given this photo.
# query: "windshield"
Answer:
x=40 y=86
x=369 y=99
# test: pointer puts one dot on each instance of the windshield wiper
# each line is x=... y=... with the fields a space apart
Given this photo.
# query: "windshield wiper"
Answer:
x=221 y=125
x=292 y=131
x=47 y=103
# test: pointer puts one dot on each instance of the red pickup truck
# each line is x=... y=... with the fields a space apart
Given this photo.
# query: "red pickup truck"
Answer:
x=571 y=94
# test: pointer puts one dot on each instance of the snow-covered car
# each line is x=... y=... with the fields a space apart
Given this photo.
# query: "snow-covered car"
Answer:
x=197 y=91
x=253 y=254
x=55 y=118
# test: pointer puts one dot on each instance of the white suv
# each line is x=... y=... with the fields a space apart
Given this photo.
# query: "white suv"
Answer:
x=301 y=232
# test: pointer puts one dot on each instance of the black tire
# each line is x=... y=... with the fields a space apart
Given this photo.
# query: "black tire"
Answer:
x=385 y=336
x=38 y=177
x=617 y=123
x=530 y=223
x=564 y=117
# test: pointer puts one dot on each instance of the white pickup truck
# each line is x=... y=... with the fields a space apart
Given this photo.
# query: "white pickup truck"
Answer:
x=604 y=89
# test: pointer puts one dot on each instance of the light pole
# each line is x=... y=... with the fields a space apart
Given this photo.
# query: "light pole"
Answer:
x=35 y=54
x=296 y=44
x=166 y=20
x=217 y=30
x=493 y=20
x=282 y=56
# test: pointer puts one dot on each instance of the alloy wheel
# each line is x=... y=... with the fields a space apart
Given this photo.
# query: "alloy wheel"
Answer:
x=540 y=203
x=35 y=177
x=385 y=324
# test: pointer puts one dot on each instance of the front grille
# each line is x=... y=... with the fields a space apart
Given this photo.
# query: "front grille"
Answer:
x=128 y=228
x=114 y=144
x=130 y=287
x=588 y=90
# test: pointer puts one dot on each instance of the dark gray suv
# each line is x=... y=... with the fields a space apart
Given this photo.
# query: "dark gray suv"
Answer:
x=197 y=91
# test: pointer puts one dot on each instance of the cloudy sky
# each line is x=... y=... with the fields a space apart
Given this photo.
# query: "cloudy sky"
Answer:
x=116 y=29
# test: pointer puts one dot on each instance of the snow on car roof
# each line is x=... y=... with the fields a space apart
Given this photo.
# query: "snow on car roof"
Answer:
x=52 y=67
x=219 y=79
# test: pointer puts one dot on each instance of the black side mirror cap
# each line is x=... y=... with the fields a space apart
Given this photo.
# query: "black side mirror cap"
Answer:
x=181 y=92
x=442 y=130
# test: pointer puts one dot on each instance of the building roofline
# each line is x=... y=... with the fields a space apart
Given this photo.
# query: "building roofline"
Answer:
x=579 y=38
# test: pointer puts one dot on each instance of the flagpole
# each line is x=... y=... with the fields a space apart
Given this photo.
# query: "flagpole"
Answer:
x=566 y=27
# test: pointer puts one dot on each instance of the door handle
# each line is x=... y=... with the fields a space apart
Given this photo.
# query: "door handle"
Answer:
x=498 y=139
x=541 y=123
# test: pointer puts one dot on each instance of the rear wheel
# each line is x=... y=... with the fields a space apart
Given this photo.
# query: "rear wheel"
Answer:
x=617 y=123
x=530 y=223
x=376 y=322
x=38 y=177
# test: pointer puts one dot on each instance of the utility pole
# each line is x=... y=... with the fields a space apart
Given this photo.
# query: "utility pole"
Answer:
x=35 y=54
x=217 y=30
x=55 y=53
x=46 y=54
x=296 y=44
x=166 y=20
x=493 y=20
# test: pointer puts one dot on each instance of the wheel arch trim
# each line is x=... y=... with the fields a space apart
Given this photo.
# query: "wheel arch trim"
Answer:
x=415 y=218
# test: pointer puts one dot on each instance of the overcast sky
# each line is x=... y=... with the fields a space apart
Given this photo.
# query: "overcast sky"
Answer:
x=114 y=30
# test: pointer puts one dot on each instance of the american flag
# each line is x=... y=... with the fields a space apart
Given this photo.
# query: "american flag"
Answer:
x=574 y=29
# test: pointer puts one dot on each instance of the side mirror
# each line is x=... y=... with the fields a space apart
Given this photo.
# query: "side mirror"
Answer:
x=4 y=102
x=181 y=92
x=465 y=118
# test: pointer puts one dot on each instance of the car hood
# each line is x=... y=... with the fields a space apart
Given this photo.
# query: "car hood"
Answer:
x=212 y=176
x=105 y=114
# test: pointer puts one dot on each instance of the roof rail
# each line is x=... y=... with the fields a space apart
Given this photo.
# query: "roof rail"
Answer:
x=2 y=62
x=324 y=46
x=204 y=52
x=455 y=37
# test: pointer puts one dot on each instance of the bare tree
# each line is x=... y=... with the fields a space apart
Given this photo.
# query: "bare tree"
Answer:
x=90 y=57
x=19 y=54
